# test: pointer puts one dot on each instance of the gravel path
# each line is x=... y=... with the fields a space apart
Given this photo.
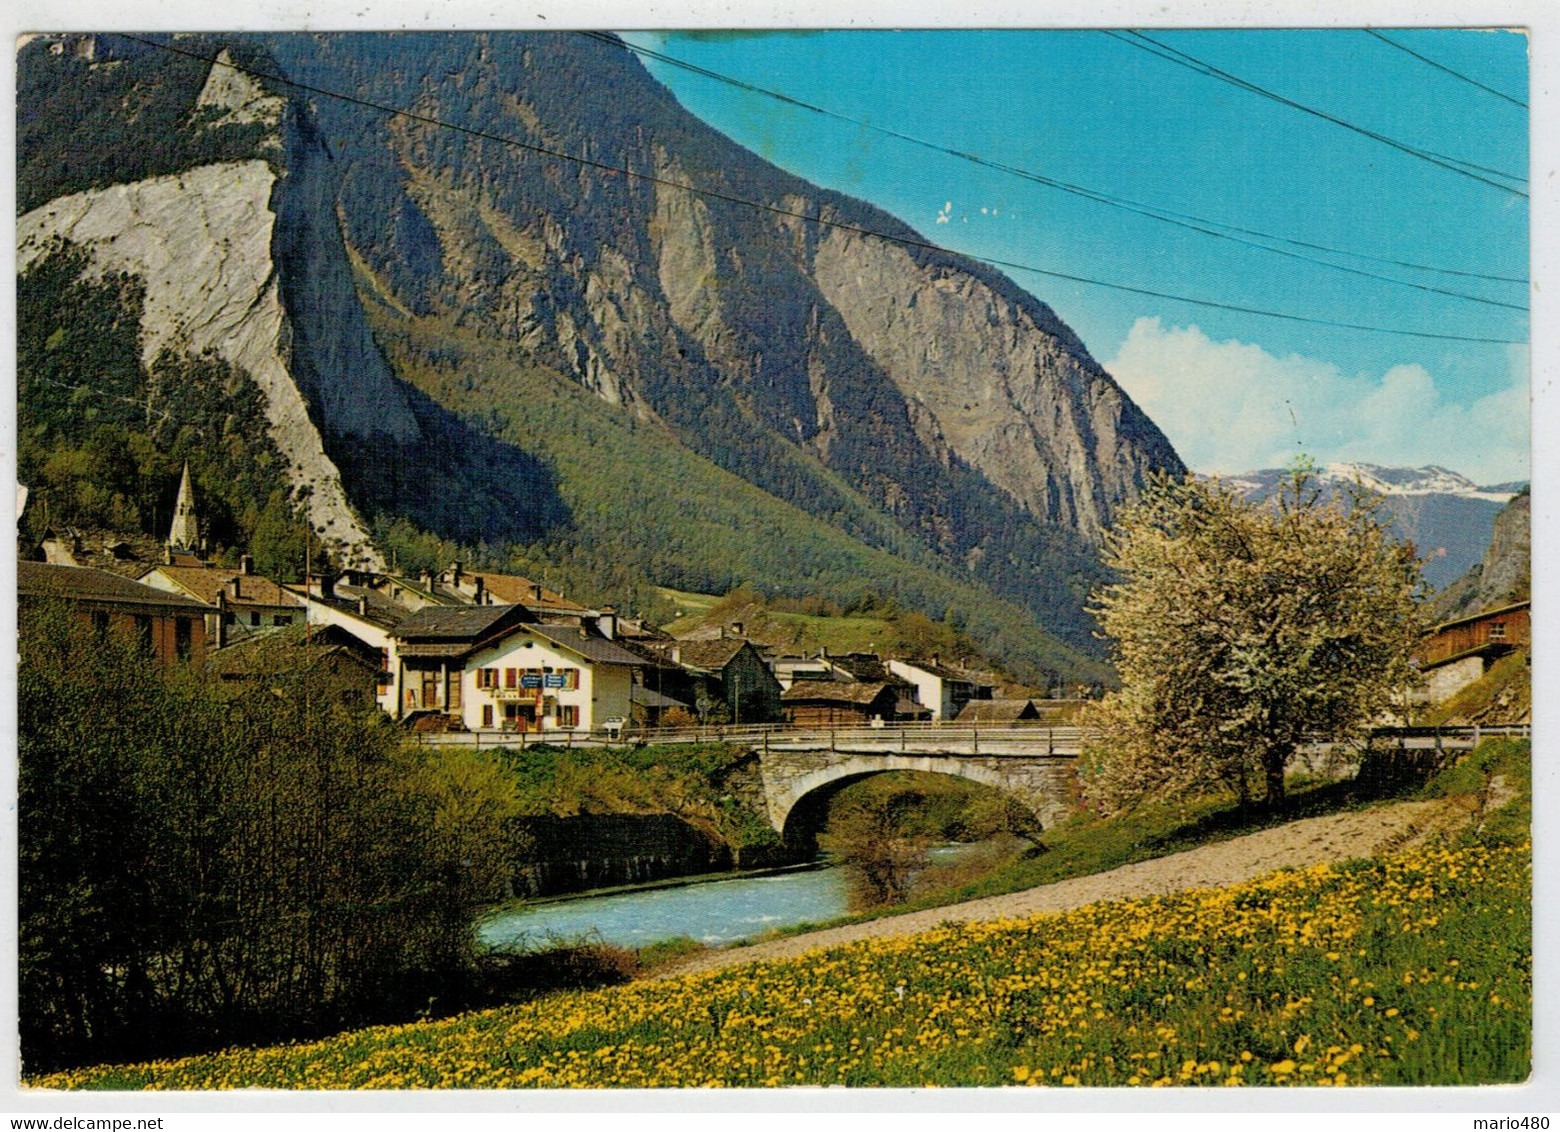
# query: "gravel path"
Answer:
x=1334 y=837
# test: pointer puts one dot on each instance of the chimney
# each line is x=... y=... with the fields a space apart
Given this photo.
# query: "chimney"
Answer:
x=478 y=595
x=363 y=605
x=676 y=654
x=246 y=564
x=237 y=591
x=220 y=636
x=426 y=579
x=167 y=556
x=736 y=628
x=536 y=591
x=455 y=573
x=606 y=622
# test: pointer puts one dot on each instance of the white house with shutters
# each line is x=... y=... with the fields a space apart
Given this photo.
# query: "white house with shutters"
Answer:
x=490 y=668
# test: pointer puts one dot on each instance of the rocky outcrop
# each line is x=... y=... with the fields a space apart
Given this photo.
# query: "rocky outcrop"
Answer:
x=200 y=242
x=1506 y=573
x=989 y=379
x=645 y=291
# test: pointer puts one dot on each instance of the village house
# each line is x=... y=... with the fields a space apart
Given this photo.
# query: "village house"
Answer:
x=171 y=627
x=831 y=703
x=790 y=667
x=940 y=689
x=999 y=711
x=1459 y=652
x=326 y=662
x=723 y=677
x=244 y=603
x=492 y=667
x=480 y=587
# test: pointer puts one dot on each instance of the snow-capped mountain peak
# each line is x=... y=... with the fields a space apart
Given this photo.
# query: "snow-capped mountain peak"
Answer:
x=1428 y=480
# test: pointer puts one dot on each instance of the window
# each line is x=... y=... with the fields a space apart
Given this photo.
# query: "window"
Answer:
x=254 y=620
x=452 y=694
x=487 y=678
x=143 y=631
x=511 y=677
x=100 y=624
x=282 y=619
x=487 y=710
x=1498 y=631
x=568 y=715
x=183 y=637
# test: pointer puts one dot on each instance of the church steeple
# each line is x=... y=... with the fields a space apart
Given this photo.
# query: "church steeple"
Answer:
x=185 y=534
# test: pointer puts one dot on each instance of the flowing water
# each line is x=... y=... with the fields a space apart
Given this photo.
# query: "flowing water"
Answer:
x=714 y=912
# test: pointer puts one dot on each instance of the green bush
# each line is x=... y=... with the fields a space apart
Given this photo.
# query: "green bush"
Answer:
x=198 y=869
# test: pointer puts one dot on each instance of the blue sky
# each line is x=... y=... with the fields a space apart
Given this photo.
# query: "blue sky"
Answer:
x=1232 y=390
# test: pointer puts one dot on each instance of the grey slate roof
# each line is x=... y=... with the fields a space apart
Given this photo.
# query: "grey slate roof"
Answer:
x=833 y=691
x=998 y=711
x=709 y=654
x=646 y=697
x=597 y=649
x=83 y=583
x=458 y=622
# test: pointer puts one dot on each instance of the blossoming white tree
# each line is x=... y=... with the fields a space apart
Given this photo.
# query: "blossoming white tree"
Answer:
x=1240 y=630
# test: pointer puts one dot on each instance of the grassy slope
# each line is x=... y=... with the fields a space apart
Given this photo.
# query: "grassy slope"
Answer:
x=642 y=501
x=1504 y=694
x=1413 y=970
x=798 y=632
x=1085 y=845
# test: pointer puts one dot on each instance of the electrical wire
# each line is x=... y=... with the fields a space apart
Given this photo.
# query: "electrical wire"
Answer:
x=1442 y=67
x=820 y=220
x=1453 y=164
x=1181 y=220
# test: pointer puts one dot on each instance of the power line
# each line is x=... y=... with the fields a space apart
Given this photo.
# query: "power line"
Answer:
x=1453 y=164
x=838 y=225
x=1442 y=67
x=1180 y=220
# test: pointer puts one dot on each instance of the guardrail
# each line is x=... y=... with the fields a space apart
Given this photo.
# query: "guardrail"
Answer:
x=908 y=737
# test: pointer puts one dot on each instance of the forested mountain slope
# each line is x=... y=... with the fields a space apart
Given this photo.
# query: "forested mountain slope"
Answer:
x=901 y=399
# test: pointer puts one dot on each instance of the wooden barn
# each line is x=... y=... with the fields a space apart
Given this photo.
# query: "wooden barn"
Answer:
x=1459 y=652
x=830 y=703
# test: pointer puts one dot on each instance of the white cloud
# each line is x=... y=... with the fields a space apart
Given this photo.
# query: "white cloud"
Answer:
x=1233 y=407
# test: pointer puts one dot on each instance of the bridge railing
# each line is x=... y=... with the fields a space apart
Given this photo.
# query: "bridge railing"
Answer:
x=905 y=736
x=909 y=738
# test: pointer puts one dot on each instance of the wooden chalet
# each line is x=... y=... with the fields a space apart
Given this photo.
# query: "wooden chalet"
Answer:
x=998 y=711
x=1456 y=653
x=828 y=703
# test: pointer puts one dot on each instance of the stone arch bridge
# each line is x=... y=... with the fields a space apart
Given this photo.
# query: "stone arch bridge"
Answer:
x=1042 y=780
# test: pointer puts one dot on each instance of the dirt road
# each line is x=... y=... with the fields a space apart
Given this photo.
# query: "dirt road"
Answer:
x=1334 y=837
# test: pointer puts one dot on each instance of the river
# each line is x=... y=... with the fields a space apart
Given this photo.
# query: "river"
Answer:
x=714 y=911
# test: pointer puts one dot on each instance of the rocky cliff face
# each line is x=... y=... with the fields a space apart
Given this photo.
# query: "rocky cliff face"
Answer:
x=805 y=357
x=1505 y=574
x=206 y=241
x=201 y=243
x=911 y=398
